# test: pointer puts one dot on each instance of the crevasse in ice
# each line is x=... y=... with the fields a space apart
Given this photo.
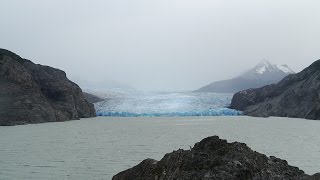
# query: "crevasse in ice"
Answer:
x=167 y=104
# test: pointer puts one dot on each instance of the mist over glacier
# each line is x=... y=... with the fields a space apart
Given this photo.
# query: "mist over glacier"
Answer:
x=167 y=104
x=162 y=44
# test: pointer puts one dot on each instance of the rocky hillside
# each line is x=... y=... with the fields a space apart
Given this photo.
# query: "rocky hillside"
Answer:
x=92 y=98
x=32 y=93
x=262 y=74
x=297 y=96
x=213 y=158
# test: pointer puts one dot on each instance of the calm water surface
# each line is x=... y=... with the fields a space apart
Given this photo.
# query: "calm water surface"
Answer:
x=98 y=148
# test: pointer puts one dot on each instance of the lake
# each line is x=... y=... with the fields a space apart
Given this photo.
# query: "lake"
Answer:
x=98 y=148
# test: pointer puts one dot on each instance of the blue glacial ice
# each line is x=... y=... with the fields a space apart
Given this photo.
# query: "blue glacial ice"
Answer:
x=167 y=105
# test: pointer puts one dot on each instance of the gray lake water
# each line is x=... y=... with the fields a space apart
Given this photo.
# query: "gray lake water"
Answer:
x=98 y=148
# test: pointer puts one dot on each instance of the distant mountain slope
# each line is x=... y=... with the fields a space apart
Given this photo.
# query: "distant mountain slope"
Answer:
x=297 y=96
x=92 y=98
x=102 y=86
x=262 y=74
x=32 y=93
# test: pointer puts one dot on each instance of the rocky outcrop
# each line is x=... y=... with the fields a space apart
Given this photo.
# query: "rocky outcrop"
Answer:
x=214 y=158
x=32 y=93
x=296 y=96
x=92 y=98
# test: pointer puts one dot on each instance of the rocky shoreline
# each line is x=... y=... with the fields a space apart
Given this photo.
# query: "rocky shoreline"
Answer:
x=33 y=93
x=215 y=158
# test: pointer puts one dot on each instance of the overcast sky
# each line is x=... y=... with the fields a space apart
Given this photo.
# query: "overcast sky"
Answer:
x=161 y=44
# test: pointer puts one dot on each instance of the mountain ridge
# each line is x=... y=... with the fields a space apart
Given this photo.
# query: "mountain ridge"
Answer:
x=296 y=96
x=263 y=73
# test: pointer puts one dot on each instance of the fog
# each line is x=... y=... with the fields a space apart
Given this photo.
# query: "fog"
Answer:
x=161 y=44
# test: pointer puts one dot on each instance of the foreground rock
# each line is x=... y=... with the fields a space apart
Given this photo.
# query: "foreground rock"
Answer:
x=297 y=96
x=214 y=158
x=32 y=93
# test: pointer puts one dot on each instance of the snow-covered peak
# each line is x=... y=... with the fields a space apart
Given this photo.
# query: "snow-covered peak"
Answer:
x=284 y=68
x=264 y=63
x=262 y=67
x=261 y=70
x=266 y=67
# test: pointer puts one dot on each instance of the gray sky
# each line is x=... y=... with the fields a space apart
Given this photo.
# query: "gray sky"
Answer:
x=161 y=44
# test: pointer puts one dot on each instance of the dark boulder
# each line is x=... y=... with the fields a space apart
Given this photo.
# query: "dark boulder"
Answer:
x=32 y=93
x=213 y=158
x=296 y=96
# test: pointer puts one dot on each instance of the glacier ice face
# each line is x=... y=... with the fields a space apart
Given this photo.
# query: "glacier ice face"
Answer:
x=167 y=104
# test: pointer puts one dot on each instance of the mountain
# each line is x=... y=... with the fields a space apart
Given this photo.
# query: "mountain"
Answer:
x=296 y=96
x=92 y=98
x=33 y=93
x=104 y=86
x=263 y=73
x=214 y=158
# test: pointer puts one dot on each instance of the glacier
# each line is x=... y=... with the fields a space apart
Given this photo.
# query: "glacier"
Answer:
x=167 y=104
